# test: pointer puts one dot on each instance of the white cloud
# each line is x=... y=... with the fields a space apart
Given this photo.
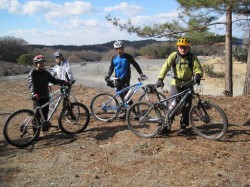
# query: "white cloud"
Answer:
x=80 y=36
x=33 y=33
x=80 y=23
x=78 y=8
x=154 y=19
x=75 y=8
x=125 y=9
x=11 y=6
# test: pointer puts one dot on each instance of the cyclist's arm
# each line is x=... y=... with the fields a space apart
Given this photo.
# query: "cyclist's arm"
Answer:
x=167 y=66
x=30 y=82
x=69 y=72
x=53 y=79
x=134 y=63
x=111 y=68
x=197 y=69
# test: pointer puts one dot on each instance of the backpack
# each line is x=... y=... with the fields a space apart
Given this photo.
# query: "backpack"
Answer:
x=177 y=60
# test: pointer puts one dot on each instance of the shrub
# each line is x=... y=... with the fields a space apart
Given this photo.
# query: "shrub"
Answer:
x=25 y=59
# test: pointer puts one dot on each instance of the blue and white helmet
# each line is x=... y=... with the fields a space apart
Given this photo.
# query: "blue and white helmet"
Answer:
x=118 y=44
x=57 y=54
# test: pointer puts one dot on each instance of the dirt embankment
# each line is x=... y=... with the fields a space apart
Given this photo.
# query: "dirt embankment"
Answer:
x=108 y=154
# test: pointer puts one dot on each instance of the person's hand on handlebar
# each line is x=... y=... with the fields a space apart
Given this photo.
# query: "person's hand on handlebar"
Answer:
x=34 y=97
x=197 y=78
x=72 y=82
x=160 y=83
x=107 y=78
x=66 y=83
x=143 y=77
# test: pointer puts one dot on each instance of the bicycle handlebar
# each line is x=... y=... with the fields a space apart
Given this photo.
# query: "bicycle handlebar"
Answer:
x=115 y=78
x=189 y=83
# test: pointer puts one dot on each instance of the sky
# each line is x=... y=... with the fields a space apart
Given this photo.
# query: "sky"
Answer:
x=77 y=22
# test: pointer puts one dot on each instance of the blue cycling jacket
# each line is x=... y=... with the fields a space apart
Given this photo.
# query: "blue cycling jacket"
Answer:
x=121 y=65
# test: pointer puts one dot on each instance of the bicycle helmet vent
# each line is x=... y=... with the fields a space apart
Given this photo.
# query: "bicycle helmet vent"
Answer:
x=118 y=44
x=39 y=58
x=57 y=54
x=183 y=42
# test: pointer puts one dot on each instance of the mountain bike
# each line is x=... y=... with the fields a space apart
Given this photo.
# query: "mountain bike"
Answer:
x=53 y=102
x=22 y=127
x=106 y=107
x=207 y=119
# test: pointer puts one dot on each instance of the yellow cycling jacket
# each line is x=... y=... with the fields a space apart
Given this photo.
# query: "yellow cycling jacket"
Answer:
x=182 y=73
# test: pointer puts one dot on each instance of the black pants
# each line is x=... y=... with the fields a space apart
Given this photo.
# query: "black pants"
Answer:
x=121 y=84
x=185 y=111
x=45 y=110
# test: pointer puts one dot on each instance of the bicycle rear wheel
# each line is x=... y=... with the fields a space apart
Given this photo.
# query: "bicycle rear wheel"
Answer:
x=21 y=128
x=208 y=120
x=104 y=107
x=75 y=119
x=149 y=122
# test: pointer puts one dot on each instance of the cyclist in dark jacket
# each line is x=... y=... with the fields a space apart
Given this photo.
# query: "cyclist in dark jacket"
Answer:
x=121 y=64
x=38 y=81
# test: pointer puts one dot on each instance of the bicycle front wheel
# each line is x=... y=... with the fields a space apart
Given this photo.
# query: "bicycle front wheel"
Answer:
x=75 y=119
x=104 y=107
x=208 y=120
x=148 y=121
x=21 y=128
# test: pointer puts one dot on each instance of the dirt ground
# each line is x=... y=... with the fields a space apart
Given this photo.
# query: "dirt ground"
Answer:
x=108 y=154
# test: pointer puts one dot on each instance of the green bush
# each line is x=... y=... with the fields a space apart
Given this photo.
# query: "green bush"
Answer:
x=240 y=54
x=4 y=73
x=25 y=59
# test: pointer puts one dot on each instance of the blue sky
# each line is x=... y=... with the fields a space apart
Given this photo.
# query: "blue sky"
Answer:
x=76 y=22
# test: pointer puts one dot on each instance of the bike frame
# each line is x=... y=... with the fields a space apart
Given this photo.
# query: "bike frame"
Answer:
x=171 y=113
x=59 y=98
x=137 y=86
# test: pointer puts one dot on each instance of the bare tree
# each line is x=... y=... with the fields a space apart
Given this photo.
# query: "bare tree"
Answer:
x=246 y=90
x=11 y=48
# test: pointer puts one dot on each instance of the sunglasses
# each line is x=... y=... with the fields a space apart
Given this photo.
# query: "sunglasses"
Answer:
x=57 y=57
x=41 y=62
x=121 y=48
x=183 y=47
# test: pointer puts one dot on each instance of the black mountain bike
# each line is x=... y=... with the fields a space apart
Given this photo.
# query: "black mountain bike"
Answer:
x=22 y=127
x=207 y=119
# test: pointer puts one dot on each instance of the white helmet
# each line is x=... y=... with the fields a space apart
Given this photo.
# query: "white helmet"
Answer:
x=118 y=44
x=57 y=54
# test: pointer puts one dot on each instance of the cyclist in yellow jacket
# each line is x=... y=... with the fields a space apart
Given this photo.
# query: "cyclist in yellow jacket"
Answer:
x=185 y=66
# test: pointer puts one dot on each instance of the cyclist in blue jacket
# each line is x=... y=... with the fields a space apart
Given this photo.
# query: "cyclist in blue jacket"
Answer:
x=120 y=63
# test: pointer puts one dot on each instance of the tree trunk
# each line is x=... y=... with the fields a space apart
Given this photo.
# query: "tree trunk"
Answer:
x=246 y=90
x=229 y=64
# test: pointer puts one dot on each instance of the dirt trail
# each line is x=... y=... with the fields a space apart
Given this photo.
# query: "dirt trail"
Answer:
x=108 y=154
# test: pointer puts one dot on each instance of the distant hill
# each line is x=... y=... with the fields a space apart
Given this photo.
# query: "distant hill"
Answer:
x=99 y=47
